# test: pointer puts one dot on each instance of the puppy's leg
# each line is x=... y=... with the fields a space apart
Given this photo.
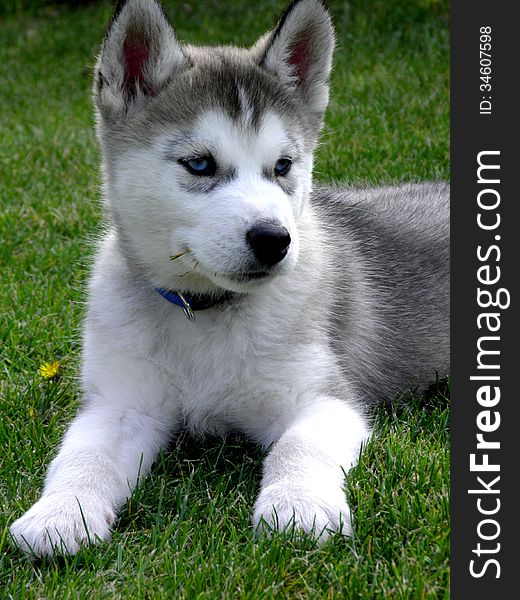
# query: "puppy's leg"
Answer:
x=303 y=476
x=112 y=441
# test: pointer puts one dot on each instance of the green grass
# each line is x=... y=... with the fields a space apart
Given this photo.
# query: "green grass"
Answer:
x=186 y=532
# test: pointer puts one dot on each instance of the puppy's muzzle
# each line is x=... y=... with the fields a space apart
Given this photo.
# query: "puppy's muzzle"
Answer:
x=269 y=243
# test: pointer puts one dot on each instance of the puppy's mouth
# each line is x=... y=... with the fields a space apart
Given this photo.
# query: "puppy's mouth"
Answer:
x=247 y=276
x=242 y=281
x=237 y=281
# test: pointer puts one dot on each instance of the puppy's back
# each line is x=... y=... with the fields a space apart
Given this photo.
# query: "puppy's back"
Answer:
x=390 y=296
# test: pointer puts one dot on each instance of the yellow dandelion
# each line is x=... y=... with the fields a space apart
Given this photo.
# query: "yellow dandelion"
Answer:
x=50 y=370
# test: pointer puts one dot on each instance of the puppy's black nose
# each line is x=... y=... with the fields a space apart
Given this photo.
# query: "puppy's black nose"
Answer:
x=269 y=242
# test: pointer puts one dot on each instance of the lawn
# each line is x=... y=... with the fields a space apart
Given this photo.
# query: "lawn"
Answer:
x=186 y=531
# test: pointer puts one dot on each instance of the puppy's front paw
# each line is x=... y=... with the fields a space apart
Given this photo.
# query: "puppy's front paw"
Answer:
x=61 y=523
x=317 y=511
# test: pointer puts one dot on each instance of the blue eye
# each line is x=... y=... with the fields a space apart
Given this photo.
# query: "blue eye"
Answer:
x=200 y=165
x=282 y=166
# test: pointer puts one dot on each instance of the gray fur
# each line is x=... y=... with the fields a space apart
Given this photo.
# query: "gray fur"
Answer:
x=395 y=270
x=207 y=77
x=356 y=310
x=385 y=264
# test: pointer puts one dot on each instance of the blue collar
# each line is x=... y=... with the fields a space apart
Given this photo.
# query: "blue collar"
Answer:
x=189 y=302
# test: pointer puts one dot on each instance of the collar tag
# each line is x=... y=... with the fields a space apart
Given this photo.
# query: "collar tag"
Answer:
x=186 y=307
x=178 y=299
x=190 y=303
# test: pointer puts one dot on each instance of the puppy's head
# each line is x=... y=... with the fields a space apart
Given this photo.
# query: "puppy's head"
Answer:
x=207 y=152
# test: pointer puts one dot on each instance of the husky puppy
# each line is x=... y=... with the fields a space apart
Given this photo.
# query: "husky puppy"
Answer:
x=229 y=293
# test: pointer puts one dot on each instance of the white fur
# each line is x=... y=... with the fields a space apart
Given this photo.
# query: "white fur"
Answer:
x=212 y=376
x=164 y=219
x=147 y=370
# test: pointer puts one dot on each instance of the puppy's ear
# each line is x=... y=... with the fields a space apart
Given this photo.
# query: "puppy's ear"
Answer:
x=299 y=51
x=138 y=56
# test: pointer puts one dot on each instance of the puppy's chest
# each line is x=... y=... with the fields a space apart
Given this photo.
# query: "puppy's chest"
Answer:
x=226 y=378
